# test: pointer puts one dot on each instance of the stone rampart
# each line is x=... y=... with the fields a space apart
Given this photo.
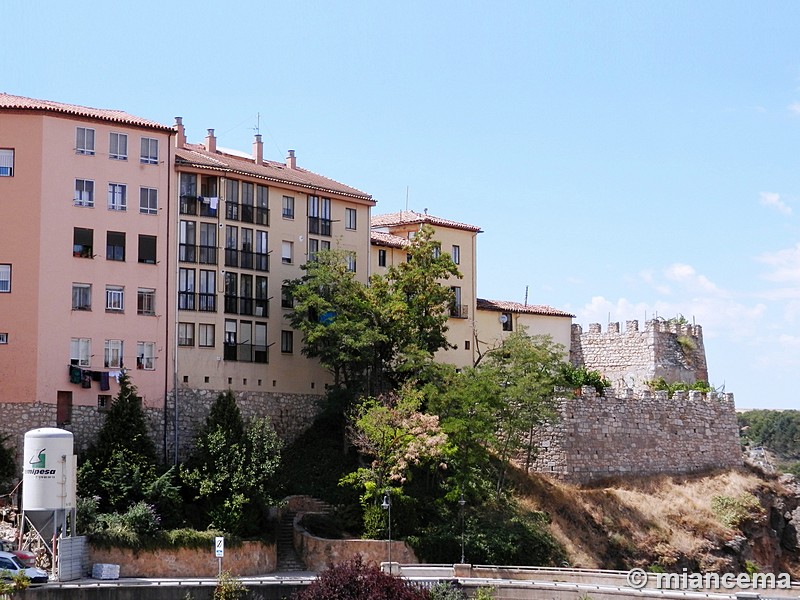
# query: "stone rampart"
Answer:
x=631 y=358
x=291 y=415
x=596 y=437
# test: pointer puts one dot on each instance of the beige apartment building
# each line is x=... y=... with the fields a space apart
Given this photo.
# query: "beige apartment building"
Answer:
x=475 y=325
x=245 y=226
x=84 y=253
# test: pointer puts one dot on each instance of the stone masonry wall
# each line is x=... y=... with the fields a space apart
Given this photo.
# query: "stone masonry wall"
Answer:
x=631 y=358
x=291 y=415
x=638 y=434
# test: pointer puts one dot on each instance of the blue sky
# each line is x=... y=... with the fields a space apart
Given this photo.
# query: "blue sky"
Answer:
x=624 y=159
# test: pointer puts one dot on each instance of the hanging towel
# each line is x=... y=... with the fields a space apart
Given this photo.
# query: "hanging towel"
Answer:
x=104 y=386
x=74 y=374
x=213 y=201
x=96 y=375
x=86 y=382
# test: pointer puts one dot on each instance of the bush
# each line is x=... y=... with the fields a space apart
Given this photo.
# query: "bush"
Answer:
x=732 y=512
x=8 y=466
x=354 y=580
x=228 y=587
x=447 y=591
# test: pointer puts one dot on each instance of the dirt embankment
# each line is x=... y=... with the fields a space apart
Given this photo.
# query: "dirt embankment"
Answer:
x=727 y=521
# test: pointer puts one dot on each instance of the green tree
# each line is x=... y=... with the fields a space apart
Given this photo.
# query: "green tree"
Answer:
x=231 y=467
x=8 y=466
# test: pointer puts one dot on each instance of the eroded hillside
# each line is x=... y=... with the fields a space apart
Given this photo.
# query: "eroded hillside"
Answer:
x=724 y=521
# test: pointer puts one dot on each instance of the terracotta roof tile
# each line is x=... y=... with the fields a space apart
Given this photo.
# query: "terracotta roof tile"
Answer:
x=410 y=217
x=196 y=155
x=517 y=307
x=380 y=238
x=8 y=101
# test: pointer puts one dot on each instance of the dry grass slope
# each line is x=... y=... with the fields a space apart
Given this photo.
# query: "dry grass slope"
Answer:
x=667 y=521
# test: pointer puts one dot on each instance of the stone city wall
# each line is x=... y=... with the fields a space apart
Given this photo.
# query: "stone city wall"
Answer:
x=638 y=434
x=631 y=358
x=291 y=415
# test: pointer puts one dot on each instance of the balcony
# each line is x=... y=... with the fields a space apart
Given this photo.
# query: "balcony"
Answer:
x=240 y=305
x=459 y=311
x=187 y=300
x=208 y=255
x=246 y=353
x=208 y=302
x=187 y=253
x=319 y=226
x=261 y=262
x=188 y=205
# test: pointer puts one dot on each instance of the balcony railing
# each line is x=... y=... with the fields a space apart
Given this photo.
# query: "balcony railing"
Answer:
x=319 y=226
x=188 y=205
x=240 y=305
x=208 y=255
x=459 y=311
x=186 y=300
x=246 y=353
x=246 y=259
x=187 y=253
x=207 y=302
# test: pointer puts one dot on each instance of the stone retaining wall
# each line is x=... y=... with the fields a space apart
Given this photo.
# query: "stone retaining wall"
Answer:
x=638 y=434
x=249 y=558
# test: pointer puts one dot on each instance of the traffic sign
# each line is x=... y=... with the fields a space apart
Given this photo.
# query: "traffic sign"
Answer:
x=219 y=546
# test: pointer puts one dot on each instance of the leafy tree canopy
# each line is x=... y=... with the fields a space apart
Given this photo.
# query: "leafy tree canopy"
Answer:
x=778 y=430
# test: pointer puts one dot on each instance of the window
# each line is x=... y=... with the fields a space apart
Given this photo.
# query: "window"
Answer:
x=456 y=254
x=6 y=162
x=148 y=201
x=115 y=245
x=286 y=297
x=248 y=197
x=349 y=218
x=80 y=352
x=187 y=251
x=313 y=248
x=381 y=258
x=149 y=153
x=206 y=333
x=5 y=278
x=117 y=196
x=260 y=348
x=84 y=141
x=319 y=215
x=147 y=249
x=208 y=244
x=262 y=205
x=507 y=322
x=288 y=207
x=146 y=356
x=457 y=309
x=3 y=338
x=115 y=298
x=208 y=291
x=351 y=261
x=261 y=258
x=118 y=146
x=84 y=193
x=112 y=354
x=437 y=250
x=81 y=296
x=185 y=334
x=146 y=302
x=186 y=297
x=232 y=200
x=287 y=251
x=287 y=342
x=103 y=402
x=82 y=242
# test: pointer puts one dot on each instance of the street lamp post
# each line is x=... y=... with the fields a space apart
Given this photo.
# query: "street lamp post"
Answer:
x=461 y=503
x=387 y=506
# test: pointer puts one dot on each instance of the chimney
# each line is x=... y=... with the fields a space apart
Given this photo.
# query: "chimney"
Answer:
x=258 y=150
x=211 y=141
x=291 y=161
x=180 y=139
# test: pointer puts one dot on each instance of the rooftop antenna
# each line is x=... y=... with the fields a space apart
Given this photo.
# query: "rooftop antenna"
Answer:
x=406 y=197
x=257 y=128
x=526 y=295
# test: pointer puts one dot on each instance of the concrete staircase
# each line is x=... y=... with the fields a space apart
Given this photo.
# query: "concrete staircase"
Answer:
x=288 y=559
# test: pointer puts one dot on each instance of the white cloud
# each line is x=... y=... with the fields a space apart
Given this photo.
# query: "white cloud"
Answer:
x=773 y=200
x=794 y=107
x=785 y=265
x=688 y=276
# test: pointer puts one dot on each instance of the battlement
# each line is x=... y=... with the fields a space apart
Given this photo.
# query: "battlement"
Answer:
x=588 y=392
x=652 y=325
x=632 y=357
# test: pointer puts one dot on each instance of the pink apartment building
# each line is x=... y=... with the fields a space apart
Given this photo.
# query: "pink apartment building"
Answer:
x=85 y=240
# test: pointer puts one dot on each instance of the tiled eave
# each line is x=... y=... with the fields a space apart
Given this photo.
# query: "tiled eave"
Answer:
x=518 y=307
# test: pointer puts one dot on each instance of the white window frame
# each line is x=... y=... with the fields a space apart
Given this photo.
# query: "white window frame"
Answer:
x=117 y=196
x=118 y=146
x=351 y=262
x=287 y=252
x=81 y=296
x=287 y=341
x=456 y=254
x=186 y=334
x=84 y=141
x=204 y=340
x=287 y=207
x=146 y=356
x=148 y=201
x=80 y=351
x=6 y=162
x=350 y=218
x=146 y=302
x=112 y=354
x=3 y=338
x=148 y=154
x=381 y=258
x=84 y=193
x=115 y=298
x=5 y=278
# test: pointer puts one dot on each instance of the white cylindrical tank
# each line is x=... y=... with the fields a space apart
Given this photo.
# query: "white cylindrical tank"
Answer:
x=48 y=475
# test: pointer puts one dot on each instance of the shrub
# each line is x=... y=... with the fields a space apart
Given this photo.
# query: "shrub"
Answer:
x=447 y=591
x=8 y=466
x=228 y=587
x=732 y=512
x=354 y=580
